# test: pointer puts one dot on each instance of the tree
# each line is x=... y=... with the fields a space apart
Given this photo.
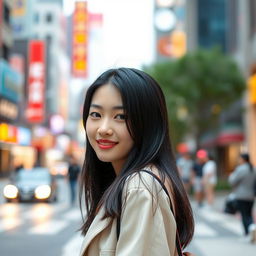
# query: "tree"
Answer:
x=198 y=87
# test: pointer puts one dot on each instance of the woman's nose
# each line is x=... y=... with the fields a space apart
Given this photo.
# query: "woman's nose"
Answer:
x=105 y=128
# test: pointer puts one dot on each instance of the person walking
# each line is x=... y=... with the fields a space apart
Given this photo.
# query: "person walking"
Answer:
x=185 y=164
x=209 y=178
x=73 y=173
x=242 y=180
x=197 y=171
x=134 y=198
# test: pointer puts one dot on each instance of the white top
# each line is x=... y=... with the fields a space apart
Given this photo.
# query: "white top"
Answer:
x=210 y=172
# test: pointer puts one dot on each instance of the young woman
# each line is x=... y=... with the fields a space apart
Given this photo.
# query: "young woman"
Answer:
x=242 y=179
x=129 y=209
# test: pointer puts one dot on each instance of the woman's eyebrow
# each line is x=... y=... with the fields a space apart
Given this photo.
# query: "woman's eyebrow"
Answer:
x=96 y=106
x=100 y=107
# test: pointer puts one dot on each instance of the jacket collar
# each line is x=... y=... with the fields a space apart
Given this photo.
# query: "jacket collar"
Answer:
x=96 y=227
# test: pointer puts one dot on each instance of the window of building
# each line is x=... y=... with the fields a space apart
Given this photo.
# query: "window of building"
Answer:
x=6 y=14
x=36 y=17
x=48 y=17
x=233 y=28
x=252 y=17
x=5 y=52
x=212 y=23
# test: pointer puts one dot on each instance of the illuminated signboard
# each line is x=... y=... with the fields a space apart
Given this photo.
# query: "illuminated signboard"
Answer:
x=8 y=133
x=10 y=82
x=80 y=40
x=36 y=82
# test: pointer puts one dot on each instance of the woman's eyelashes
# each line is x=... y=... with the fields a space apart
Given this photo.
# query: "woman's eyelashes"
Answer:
x=121 y=117
x=97 y=115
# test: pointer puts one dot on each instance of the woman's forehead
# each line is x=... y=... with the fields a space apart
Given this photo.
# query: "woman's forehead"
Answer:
x=107 y=94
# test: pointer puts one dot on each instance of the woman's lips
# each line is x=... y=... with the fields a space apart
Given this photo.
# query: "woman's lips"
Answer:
x=106 y=144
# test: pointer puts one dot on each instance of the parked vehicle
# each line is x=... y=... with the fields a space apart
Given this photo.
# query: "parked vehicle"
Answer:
x=36 y=184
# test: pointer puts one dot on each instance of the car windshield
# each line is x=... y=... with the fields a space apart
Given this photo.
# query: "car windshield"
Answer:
x=35 y=175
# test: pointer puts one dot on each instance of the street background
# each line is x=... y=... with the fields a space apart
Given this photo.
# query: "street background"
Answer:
x=202 y=53
x=51 y=229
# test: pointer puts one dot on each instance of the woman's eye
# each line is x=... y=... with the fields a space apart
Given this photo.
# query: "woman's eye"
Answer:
x=95 y=114
x=121 y=117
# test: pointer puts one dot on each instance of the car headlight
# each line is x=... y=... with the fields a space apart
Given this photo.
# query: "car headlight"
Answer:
x=43 y=192
x=10 y=191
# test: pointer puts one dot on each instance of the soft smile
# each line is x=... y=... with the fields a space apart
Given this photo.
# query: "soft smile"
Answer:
x=106 y=144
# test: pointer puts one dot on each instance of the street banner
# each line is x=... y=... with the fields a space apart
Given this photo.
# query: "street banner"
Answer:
x=35 y=112
x=80 y=41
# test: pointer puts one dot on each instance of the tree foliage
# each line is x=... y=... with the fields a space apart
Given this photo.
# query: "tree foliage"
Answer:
x=197 y=88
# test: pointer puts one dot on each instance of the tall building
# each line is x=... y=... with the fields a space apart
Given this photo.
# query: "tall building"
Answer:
x=230 y=25
x=10 y=90
x=37 y=46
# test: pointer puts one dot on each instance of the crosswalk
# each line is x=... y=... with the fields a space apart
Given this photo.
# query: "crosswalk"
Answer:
x=53 y=219
x=211 y=223
x=45 y=219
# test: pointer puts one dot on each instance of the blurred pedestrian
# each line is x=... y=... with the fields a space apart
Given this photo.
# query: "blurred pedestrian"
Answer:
x=129 y=179
x=209 y=178
x=197 y=177
x=73 y=174
x=242 y=181
x=185 y=164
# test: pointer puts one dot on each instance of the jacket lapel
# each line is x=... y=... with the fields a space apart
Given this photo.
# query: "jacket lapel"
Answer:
x=96 y=227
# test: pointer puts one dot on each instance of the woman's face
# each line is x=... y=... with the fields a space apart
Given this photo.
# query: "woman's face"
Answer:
x=106 y=127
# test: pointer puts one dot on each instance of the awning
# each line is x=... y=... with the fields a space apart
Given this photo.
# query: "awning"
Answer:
x=229 y=133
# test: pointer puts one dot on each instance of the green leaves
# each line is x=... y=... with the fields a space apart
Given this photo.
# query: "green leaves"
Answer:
x=204 y=82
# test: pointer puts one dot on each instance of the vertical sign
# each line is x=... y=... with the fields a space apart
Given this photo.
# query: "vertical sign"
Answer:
x=1 y=22
x=36 y=81
x=80 y=40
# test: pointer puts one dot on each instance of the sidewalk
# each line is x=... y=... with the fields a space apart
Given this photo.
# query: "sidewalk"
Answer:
x=217 y=233
x=220 y=202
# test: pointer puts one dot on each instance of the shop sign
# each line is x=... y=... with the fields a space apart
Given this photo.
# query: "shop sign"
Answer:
x=24 y=136
x=57 y=124
x=35 y=112
x=8 y=109
x=10 y=82
x=80 y=40
x=8 y=133
x=252 y=89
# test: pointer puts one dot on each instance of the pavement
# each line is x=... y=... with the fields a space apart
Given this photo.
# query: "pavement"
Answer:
x=217 y=233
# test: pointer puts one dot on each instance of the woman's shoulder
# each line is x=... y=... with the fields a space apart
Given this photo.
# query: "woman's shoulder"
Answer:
x=144 y=179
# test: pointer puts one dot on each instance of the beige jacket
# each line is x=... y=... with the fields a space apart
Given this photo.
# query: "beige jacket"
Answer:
x=148 y=227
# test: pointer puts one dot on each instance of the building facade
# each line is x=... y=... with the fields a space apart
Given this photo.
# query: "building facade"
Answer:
x=231 y=26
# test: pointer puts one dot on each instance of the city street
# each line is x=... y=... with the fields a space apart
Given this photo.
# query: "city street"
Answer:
x=219 y=234
x=40 y=228
x=50 y=229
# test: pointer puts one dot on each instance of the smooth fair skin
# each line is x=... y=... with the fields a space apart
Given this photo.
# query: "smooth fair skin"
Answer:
x=106 y=127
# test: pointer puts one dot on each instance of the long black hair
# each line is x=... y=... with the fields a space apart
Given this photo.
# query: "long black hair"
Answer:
x=147 y=122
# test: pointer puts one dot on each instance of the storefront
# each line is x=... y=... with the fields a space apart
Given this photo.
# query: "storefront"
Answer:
x=225 y=145
x=10 y=93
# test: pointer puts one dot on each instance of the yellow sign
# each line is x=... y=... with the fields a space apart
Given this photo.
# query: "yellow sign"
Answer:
x=252 y=89
x=178 y=43
x=19 y=8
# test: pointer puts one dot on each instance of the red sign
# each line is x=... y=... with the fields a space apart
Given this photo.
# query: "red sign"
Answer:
x=36 y=81
x=80 y=40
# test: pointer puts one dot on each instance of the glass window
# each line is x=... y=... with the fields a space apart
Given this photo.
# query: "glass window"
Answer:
x=233 y=28
x=48 y=17
x=6 y=14
x=252 y=10
x=36 y=17
x=212 y=24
